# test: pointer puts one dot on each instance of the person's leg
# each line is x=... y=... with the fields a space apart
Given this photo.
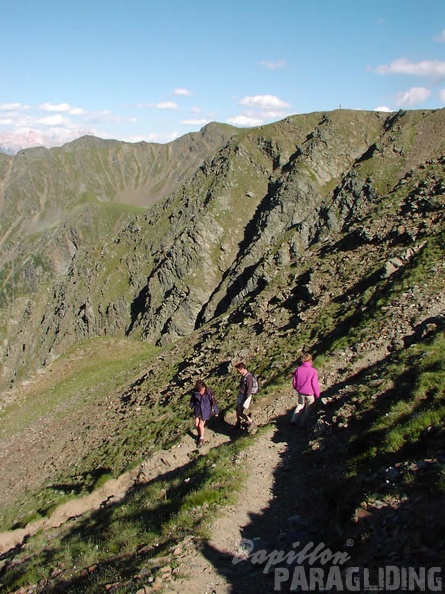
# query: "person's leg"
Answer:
x=201 y=428
x=298 y=408
x=197 y=425
x=304 y=417
x=246 y=415
x=239 y=410
x=238 y=414
x=242 y=415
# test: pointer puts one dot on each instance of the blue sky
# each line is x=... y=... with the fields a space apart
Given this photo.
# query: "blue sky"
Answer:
x=154 y=70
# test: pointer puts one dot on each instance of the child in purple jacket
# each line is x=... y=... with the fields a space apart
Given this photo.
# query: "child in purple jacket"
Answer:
x=305 y=382
x=203 y=403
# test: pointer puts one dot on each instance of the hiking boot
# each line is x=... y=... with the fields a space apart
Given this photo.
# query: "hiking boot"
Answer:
x=200 y=443
x=251 y=427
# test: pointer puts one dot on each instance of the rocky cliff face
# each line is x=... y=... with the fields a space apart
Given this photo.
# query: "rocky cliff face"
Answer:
x=220 y=215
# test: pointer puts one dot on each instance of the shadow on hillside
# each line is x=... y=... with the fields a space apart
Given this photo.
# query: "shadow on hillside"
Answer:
x=85 y=481
x=316 y=502
x=138 y=307
x=238 y=280
x=140 y=512
x=219 y=425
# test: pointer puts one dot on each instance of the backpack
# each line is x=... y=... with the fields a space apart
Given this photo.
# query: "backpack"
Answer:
x=255 y=386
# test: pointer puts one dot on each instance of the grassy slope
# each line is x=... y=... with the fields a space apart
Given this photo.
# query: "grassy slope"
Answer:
x=401 y=414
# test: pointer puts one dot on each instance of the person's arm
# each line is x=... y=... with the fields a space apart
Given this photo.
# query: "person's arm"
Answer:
x=214 y=405
x=316 y=385
x=294 y=379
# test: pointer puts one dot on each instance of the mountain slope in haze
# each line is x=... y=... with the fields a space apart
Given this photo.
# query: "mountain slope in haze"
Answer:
x=58 y=201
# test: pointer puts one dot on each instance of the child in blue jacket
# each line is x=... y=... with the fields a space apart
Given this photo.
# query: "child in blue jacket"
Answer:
x=202 y=403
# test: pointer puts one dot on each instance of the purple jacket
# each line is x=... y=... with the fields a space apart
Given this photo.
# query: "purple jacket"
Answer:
x=202 y=406
x=305 y=380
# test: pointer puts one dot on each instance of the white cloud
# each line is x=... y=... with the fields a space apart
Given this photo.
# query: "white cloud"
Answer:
x=442 y=95
x=243 y=120
x=153 y=137
x=51 y=124
x=12 y=106
x=412 y=96
x=274 y=115
x=270 y=65
x=17 y=120
x=201 y=122
x=104 y=117
x=55 y=120
x=185 y=92
x=27 y=137
x=61 y=108
x=263 y=101
x=383 y=108
x=440 y=38
x=260 y=109
x=165 y=105
x=434 y=68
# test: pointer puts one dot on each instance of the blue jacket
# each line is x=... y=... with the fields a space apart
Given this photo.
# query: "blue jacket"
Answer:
x=202 y=406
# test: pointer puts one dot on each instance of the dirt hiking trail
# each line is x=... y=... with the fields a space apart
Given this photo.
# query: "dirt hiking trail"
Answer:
x=220 y=564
